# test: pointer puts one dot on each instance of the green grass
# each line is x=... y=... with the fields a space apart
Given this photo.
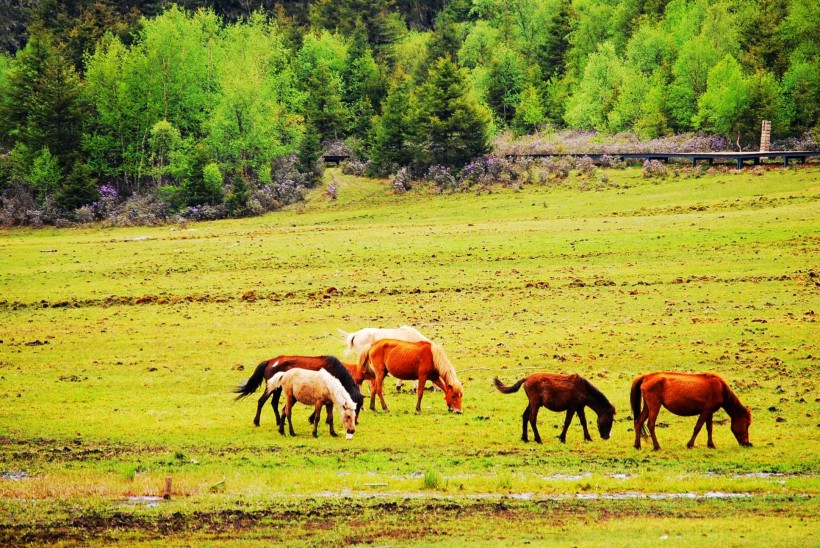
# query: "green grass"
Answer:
x=120 y=348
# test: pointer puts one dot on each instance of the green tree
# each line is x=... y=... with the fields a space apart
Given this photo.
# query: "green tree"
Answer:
x=597 y=93
x=506 y=78
x=451 y=127
x=529 y=112
x=40 y=102
x=726 y=101
x=45 y=174
x=254 y=116
x=390 y=139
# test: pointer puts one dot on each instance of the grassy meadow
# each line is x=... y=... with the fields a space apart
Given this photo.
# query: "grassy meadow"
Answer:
x=119 y=349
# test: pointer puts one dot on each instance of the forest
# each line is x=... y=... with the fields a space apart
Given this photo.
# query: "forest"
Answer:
x=143 y=111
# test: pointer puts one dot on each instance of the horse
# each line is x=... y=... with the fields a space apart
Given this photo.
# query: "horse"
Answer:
x=420 y=361
x=570 y=393
x=360 y=341
x=268 y=368
x=316 y=388
x=687 y=395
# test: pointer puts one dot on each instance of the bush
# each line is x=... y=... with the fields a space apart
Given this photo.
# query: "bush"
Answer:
x=401 y=182
x=354 y=167
x=654 y=169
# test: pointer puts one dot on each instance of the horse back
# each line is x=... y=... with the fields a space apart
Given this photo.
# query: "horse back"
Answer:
x=684 y=394
x=555 y=392
x=404 y=360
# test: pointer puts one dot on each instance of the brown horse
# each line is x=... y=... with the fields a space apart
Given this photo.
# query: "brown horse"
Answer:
x=408 y=361
x=570 y=393
x=268 y=368
x=687 y=395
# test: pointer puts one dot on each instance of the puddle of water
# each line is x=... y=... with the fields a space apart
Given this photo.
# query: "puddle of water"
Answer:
x=16 y=475
x=568 y=477
x=710 y=495
x=147 y=502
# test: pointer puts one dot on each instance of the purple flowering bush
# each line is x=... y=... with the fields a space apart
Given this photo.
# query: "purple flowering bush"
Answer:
x=654 y=169
x=401 y=182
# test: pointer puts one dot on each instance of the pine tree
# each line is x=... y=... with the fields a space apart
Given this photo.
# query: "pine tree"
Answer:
x=389 y=140
x=452 y=128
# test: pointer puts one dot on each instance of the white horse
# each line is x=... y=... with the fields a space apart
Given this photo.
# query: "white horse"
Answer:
x=361 y=340
x=316 y=388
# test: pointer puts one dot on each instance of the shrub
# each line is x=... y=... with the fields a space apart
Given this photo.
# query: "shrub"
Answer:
x=401 y=182
x=653 y=169
x=442 y=177
x=354 y=167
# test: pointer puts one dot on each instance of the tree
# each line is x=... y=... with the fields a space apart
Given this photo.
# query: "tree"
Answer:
x=529 y=112
x=45 y=174
x=506 y=78
x=40 y=103
x=597 y=93
x=451 y=127
x=391 y=135
x=724 y=104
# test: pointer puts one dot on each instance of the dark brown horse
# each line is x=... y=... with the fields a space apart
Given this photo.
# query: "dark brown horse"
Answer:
x=570 y=393
x=268 y=368
x=409 y=361
x=687 y=395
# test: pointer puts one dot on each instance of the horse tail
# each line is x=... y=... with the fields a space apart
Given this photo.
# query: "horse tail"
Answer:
x=348 y=338
x=275 y=382
x=635 y=397
x=507 y=389
x=249 y=386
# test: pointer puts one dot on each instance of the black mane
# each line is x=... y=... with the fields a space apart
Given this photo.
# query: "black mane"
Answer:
x=335 y=368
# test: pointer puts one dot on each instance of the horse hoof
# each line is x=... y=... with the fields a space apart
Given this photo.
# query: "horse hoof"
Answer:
x=334 y=434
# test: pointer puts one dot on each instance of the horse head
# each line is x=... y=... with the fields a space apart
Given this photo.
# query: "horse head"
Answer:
x=349 y=419
x=605 y=420
x=740 y=427
x=452 y=396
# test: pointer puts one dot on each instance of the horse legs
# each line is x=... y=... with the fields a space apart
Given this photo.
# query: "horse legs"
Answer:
x=533 y=420
x=582 y=417
x=378 y=388
x=274 y=402
x=567 y=420
x=317 y=416
x=420 y=392
x=710 y=444
x=653 y=416
x=698 y=425
x=289 y=408
x=639 y=422
x=524 y=419
x=259 y=405
x=329 y=421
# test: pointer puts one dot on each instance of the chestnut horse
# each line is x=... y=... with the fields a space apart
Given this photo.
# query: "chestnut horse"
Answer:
x=360 y=341
x=570 y=393
x=409 y=361
x=687 y=395
x=268 y=368
x=316 y=388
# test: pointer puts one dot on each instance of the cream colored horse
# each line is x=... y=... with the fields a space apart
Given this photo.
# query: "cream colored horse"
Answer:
x=316 y=388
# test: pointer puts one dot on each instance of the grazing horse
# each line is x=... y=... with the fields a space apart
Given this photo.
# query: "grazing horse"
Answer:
x=268 y=368
x=316 y=388
x=687 y=395
x=420 y=361
x=570 y=393
x=360 y=341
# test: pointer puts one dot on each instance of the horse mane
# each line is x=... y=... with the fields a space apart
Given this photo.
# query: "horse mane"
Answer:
x=444 y=366
x=732 y=403
x=596 y=395
x=337 y=391
x=338 y=370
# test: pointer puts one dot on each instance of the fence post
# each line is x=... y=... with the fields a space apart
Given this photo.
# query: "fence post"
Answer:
x=765 y=135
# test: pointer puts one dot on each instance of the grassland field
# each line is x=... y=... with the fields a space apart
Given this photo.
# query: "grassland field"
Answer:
x=119 y=349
